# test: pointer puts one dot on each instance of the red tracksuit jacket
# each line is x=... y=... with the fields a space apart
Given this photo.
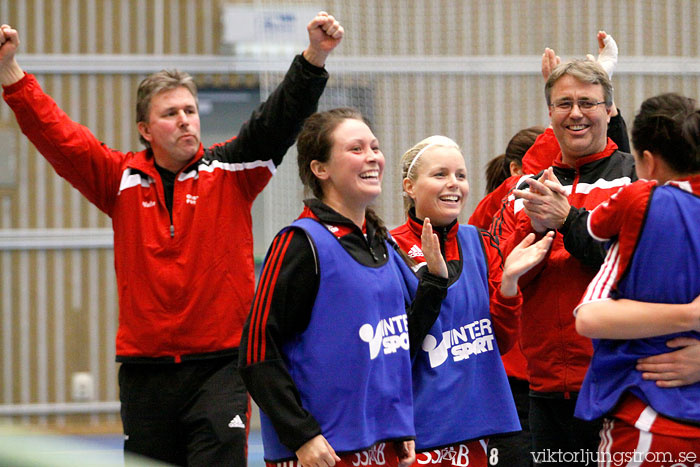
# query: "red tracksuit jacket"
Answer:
x=185 y=284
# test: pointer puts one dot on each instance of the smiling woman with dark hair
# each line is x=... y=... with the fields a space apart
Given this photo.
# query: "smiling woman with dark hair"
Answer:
x=325 y=350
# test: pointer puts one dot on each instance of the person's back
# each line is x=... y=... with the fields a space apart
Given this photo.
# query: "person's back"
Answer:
x=655 y=259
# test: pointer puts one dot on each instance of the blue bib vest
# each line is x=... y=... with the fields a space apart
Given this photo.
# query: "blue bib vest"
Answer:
x=351 y=365
x=460 y=387
x=665 y=268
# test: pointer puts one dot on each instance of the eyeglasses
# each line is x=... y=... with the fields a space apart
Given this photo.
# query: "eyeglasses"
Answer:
x=567 y=106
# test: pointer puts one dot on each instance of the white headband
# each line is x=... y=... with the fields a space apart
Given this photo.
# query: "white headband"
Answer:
x=420 y=153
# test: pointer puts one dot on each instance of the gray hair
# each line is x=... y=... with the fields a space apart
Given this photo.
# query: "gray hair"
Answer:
x=156 y=83
x=586 y=71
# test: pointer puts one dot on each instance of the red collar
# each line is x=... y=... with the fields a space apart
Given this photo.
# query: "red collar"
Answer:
x=415 y=225
x=339 y=230
x=610 y=148
x=688 y=182
x=145 y=162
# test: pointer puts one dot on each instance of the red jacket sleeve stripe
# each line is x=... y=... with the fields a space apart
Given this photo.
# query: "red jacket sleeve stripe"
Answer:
x=263 y=298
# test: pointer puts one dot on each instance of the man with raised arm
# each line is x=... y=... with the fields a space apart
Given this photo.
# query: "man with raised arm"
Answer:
x=183 y=246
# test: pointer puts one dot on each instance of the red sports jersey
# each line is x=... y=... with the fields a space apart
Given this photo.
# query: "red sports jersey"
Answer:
x=621 y=219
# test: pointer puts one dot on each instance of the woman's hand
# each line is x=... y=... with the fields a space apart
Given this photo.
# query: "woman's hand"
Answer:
x=406 y=452
x=317 y=452
x=431 y=250
x=523 y=258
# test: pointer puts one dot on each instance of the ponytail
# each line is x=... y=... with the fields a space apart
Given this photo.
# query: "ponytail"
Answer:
x=382 y=232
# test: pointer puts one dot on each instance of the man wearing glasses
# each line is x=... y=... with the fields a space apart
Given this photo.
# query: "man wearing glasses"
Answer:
x=587 y=169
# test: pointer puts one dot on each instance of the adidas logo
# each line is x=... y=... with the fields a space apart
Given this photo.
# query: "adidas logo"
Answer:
x=236 y=422
x=415 y=252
